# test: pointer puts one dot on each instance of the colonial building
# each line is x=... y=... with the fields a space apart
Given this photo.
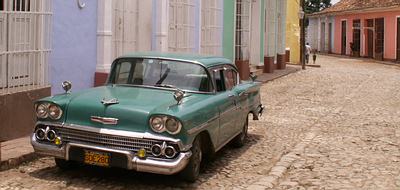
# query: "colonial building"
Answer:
x=358 y=28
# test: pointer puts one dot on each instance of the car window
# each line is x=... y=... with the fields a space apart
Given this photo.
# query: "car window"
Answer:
x=123 y=73
x=161 y=73
x=230 y=79
x=219 y=82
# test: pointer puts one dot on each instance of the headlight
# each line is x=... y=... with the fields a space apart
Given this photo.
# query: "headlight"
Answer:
x=42 y=110
x=173 y=126
x=157 y=124
x=160 y=124
x=45 y=110
x=55 y=112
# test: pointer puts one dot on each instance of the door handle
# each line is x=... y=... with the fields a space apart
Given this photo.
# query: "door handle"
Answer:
x=231 y=96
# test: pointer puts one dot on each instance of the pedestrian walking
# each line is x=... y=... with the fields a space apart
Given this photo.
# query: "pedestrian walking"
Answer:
x=314 y=57
x=308 y=52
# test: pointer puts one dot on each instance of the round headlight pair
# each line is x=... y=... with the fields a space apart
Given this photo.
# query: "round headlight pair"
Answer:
x=45 y=110
x=160 y=124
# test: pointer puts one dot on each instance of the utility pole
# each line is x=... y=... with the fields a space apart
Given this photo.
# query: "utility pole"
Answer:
x=302 y=17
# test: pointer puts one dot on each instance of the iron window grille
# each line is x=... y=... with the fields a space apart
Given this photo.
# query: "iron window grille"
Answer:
x=25 y=44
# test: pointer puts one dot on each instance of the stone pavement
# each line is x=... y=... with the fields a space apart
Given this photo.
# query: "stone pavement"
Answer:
x=334 y=127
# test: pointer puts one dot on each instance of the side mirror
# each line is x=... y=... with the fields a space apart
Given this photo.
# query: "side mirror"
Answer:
x=253 y=76
x=66 y=85
x=179 y=95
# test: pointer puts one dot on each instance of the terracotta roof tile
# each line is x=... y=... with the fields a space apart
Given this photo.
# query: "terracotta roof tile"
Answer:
x=352 y=5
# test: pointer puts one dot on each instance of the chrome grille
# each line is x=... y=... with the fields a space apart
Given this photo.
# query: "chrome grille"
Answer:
x=109 y=141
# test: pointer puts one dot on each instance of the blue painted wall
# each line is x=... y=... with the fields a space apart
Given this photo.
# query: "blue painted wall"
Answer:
x=74 y=45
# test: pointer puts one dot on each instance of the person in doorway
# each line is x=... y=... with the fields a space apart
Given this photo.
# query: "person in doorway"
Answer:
x=308 y=52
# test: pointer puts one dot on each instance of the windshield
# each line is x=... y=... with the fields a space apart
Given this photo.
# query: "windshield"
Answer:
x=161 y=73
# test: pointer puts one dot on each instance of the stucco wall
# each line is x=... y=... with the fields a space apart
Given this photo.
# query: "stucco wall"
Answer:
x=390 y=32
x=74 y=45
x=293 y=31
x=229 y=29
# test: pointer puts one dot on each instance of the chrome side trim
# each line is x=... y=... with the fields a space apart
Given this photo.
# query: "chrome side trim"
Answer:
x=229 y=110
x=104 y=120
x=145 y=135
x=201 y=127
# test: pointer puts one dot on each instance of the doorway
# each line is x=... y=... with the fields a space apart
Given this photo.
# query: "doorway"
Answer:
x=380 y=38
x=344 y=37
x=125 y=27
x=398 y=40
x=322 y=42
x=370 y=38
x=330 y=38
x=356 y=38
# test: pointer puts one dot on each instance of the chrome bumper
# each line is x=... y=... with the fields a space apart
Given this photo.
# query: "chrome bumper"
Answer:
x=150 y=165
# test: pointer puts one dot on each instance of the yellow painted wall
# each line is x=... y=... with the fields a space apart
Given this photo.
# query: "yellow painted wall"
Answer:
x=293 y=30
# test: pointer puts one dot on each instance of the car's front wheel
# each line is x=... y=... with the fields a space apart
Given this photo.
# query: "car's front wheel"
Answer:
x=239 y=140
x=192 y=170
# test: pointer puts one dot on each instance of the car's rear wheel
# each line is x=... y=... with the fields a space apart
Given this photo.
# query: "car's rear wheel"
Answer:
x=239 y=140
x=192 y=170
x=65 y=164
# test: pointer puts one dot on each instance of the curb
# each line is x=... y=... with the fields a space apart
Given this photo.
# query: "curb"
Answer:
x=15 y=162
x=280 y=76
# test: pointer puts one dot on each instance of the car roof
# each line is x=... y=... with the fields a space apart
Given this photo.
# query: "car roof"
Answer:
x=205 y=60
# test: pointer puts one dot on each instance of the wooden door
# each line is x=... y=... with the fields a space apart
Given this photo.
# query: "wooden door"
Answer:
x=356 y=37
x=370 y=38
x=3 y=46
x=322 y=42
x=125 y=25
x=330 y=38
x=398 y=40
x=344 y=37
x=379 y=38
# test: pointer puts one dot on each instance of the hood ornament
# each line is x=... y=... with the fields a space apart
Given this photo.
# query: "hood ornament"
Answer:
x=104 y=120
x=178 y=96
x=109 y=102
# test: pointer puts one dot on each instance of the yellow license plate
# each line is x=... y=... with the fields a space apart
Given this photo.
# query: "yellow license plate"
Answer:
x=97 y=158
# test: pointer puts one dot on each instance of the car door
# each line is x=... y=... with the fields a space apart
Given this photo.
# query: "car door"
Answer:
x=227 y=105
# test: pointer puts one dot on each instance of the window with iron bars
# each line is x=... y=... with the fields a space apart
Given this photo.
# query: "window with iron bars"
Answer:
x=211 y=27
x=181 y=31
x=242 y=51
x=25 y=44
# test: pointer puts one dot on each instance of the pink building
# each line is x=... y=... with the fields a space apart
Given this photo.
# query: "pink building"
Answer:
x=361 y=28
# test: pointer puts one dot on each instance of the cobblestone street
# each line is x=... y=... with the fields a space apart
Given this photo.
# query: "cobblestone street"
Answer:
x=334 y=127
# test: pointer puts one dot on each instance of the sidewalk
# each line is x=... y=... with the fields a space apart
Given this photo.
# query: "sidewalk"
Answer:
x=15 y=152
x=266 y=77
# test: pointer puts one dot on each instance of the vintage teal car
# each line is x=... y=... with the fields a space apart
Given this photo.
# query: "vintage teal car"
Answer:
x=159 y=113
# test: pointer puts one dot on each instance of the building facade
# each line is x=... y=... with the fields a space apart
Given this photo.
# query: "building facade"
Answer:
x=320 y=33
x=361 y=29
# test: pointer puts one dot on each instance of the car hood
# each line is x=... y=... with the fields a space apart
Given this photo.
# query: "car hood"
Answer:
x=134 y=107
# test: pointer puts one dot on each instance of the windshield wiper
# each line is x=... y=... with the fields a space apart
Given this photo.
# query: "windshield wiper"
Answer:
x=166 y=86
